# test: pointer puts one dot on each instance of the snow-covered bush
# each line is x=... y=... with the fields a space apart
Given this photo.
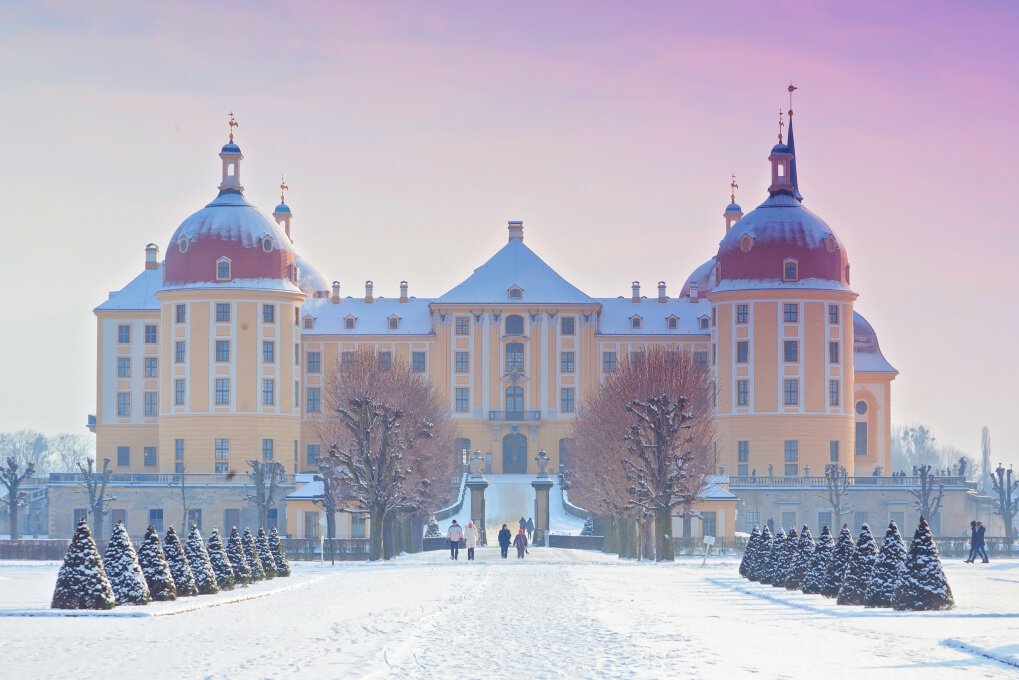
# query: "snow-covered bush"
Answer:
x=123 y=570
x=889 y=567
x=220 y=562
x=785 y=560
x=588 y=529
x=923 y=586
x=433 y=530
x=749 y=552
x=201 y=565
x=279 y=555
x=814 y=579
x=265 y=555
x=771 y=569
x=155 y=568
x=801 y=560
x=835 y=572
x=82 y=582
x=238 y=562
x=183 y=577
x=861 y=564
x=762 y=557
x=251 y=555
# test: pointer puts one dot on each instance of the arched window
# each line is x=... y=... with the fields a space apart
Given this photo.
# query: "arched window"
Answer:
x=790 y=270
x=514 y=356
x=222 y=269
x=514 y=324
x=746 y=243
x=515 y=399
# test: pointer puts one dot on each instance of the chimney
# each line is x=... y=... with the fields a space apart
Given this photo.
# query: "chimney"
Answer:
x=368 y=286
x=636 y=291
x=662 y=297
x=335 y=297
x=152 y=256
x=403 y=291
x=516 y=230
x=693 y=292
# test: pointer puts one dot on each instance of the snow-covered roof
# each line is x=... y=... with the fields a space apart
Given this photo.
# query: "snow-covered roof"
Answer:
x=801 y=284
x=229 y=217
x=139 y=294
x=237 y=284
x=515 y=265
x=370 y=317
x=311 y=491
x=309 y=278
x=713 y=491
x=617 y=314
x=867 y=356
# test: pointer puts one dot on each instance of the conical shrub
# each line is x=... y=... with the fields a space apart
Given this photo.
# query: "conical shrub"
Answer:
x=801 y=560
x=762 y=556
x=265 y=555
x=861 y=564
x=82 y=581
x=279 y=555
x=155 y=568
x=771 y=569
x=239 y=563
x=823 y=549
x=220 y=562
x=201 y=565
x=251 y=555
x=889 y=568
x=123 y=570
x=923 y=586
x=748 y=553
x=785 y=562
x=835 y=571
x=180 y=568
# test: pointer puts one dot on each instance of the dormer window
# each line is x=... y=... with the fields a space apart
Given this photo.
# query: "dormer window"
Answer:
x=394 y=323
x=183 y=243
x=790 y=270
x=672 y=322
x=746 y=243
x=223 y=269
x=703 y=322
x=636 y=323
x=309 y=322
x=349 y=322
x=829 y=244
x=267 y=244
x=516 y=293
x=718 y=273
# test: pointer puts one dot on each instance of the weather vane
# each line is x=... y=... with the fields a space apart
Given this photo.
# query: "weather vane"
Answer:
x=734 y=187
x=791 y=89
x=233 y=123
x=781 y=124
x=283 y=187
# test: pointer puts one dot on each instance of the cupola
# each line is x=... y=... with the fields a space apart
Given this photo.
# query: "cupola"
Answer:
x=231 y=157
x=282 y=213
x=733 y=212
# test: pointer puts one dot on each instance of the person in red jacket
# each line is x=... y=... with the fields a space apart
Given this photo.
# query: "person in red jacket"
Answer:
x=520 y=542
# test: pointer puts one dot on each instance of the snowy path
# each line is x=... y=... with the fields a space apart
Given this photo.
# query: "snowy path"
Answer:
x=510 y=497
x=557 y=614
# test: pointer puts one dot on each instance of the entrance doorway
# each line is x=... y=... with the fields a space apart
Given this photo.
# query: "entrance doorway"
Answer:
x=514 y=453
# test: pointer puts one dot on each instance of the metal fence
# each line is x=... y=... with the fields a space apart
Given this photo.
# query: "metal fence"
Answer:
x=343 y=549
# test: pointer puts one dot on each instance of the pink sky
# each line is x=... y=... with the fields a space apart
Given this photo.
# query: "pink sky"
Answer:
x=411 y=132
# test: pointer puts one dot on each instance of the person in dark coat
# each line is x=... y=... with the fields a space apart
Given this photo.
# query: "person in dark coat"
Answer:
x=972 y=541
x=523 y=523
x=520 y=542
x=505 y=538
x=530 y=529
x=980 y=541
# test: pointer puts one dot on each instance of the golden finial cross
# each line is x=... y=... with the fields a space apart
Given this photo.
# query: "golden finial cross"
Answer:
x=233 y=123
x=781 y=124
x=283 y=187
x=792 y=88
x=734 y=187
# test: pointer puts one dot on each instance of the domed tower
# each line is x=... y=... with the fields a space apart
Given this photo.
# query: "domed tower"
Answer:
x=782 y=336
x=229 y=310
x=309 y=279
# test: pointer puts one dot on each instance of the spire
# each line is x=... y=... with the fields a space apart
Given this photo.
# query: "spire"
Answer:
x=792 y=149
x=733 y=212
x=282 y=213
x=231 y=156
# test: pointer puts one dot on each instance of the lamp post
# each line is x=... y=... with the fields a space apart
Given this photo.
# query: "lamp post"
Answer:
x=477 y=483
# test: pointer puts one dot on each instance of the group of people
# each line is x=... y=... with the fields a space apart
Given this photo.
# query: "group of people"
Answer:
x=976 y=542
x=471 y=536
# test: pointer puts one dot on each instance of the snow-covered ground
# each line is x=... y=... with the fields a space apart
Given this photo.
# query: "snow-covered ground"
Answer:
x=510 y=497
x=556 y=614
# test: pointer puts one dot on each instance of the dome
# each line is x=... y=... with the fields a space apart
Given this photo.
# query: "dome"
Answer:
x=867 y=355
x=230 y=149
x=703 y=276
x=781 y=149
x=232 y=228
x=780 y=230
x=733 y=208
x=309 y=279
x=282 y=209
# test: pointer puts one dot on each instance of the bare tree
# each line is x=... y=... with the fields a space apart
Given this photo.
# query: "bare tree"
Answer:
x=70 y=449
x=95 y=485
x=25 y=446
x=329 y=501
x=265 y=477
x=836 y=483
x=11 y=480
x=928 y=497
x=1008 y=501
x=185 y=507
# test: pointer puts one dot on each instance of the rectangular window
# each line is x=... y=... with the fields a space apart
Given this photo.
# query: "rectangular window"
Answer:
x=222 y=468
x=566 y=362
x=792 y=392
x=124 y=456
x=357 y=524
x=791 y=349
x=150 y=334
x=181 y=313
x=267 y=449
x=195 y=517
x=385 y=360
x=311 y=524
x=898 y=517
x=178 y=449
x=714 y=354
x=123 y=367
x=833 y=313
x=297 y=354
x=709 y=523
x=269 y=313
x=313 y=452
x=151 y=367
x=742 y=312
x=297 y=394
x=178 y=467
x=231 y=518
x=222 y=350
x=462 y=362
x=742 y=392
x=269 y=351
x=151 y=403
x=180 y=392
x=417 y=362
x=792 y=451
x=149 y=456
x=156 y=519
x=833 y=392
x=742 y=469
x=268 y=391
x=789 y=520
x=314 y=400
x=567 y=325
x=861 y=439
x=180 y=352
x=514 y=356
x=463 y=325
x=743 y=452
x=462 y=399
x=567 y=401
x=314 y=362
x=833 y=451
x=791 y=313
x=124 y=334
x=823 y=519
x=701 y=359
x=833 y=352
x=222 y=311
x=750 y=518
x=123 y=403
x=742 y=351
x=859 y=519
x=222 y=390
x=346 y=360
x=222 y=449
x=608 y=362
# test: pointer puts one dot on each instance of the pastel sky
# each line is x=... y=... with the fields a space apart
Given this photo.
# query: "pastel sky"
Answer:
x=410 y=132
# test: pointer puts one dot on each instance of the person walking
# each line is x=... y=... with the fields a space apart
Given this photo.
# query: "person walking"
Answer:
x=505 y=538
x=520 y=542
x=523 y=523
x=471 y=540
x=980 y=541
x=530 y=529
x=972 y=541
x=455 y=534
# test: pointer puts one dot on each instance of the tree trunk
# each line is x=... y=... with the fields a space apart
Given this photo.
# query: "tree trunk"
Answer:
x=375 y=527
x=331 y=534
x=611 y=544
x=417 y=543
x=647 y=538
x=388 y=538
x=663 y=536
x=12 y=507
x=628 y=538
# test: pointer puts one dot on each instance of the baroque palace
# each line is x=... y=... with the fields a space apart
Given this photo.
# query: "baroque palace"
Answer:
x=221 y=352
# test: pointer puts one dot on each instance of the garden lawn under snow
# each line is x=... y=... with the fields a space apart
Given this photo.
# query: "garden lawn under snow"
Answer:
x=557 y=614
